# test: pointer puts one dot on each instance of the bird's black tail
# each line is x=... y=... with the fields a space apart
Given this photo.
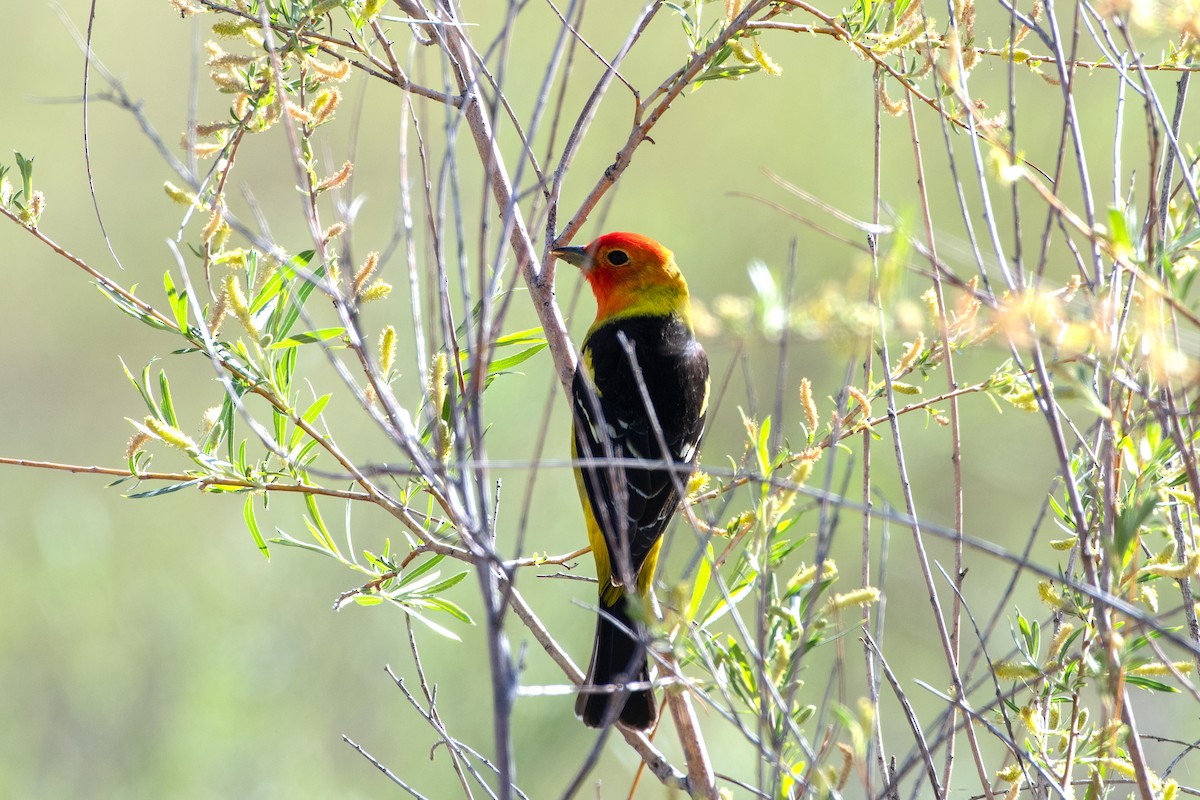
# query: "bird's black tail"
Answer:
x=617 y=659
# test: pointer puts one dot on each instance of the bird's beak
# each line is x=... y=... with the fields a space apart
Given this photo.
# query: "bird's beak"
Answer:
x=575 y=256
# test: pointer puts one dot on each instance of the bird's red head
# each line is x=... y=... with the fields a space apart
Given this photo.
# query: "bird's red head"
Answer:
x=630 y=274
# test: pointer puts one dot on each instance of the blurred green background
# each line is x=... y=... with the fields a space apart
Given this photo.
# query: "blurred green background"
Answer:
x=146 y=647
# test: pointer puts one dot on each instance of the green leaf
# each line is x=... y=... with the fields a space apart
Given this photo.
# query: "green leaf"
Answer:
x=25 y=167
x=280 y=421
x=1120 y=231
x=177 y=300
x=1148 y=683
x=433 y=626
x=267 y=293
x=722 y=606
x=309 y=417
x=446 y=584
x=174 y=487
x=723 y=72
x=252 y=524
x=287 y=541
x=703 y=573
x=132 y=310
x=509 y=362
x=168 y=408
x=143 y=387
x=420 y=569
x=442 y=604
x=317 y=526
x=521 y=337
x=1129 y=521
x=762 y=451
x=291 y=312
x=319 y=335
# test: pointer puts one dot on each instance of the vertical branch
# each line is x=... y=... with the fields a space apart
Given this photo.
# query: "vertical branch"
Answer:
x=869 y=655
x=955 y=457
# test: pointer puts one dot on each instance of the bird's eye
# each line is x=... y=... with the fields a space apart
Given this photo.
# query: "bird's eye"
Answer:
x=618 y=257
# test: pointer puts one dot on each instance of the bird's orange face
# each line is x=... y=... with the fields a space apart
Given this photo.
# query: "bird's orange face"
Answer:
x=630 y=275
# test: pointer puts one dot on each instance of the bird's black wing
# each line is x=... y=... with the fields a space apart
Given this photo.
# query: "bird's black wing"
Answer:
x=633 y=502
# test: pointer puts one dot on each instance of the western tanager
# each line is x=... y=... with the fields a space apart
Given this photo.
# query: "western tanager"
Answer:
x=640 y=395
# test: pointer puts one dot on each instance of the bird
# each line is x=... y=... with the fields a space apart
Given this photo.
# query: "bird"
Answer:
x=640 y=393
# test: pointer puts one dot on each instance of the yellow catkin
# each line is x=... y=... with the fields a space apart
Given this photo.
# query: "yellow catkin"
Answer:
x=336 y=179
x=229 y=61
x=811 y=418
x=219 y=312
x=1060 y=638
x=781 y=502
x=1030 y=720
x=324 y=105
x=136 y=443
x=371 y=8
x=1120 y=765
x=324 y=7
x=227 y=83
x=863 y=403
x=847 y=764
x=697 y=483
x=1009 y=774
x=232 y=28
x=234 y=259
x=1051 y=597
x=857 y=597
x=1164 y=556
x=364 y=273
x=206 y=149
x=333 y=231
x=1159 y=669
x=215 y=222
x=178 y=195
x=740 y=52
x=299 y=114
x=168 y=435
x=765 y=61
x=1188 y=569
x=338 y=71
x=376 y=291
x=241 y=106
x=221 y=237
x=1149 y=596
x=237 y=302
x=186 y=9
x=892 y=107
x=37 y=207
x=210 y=418
x=1015 y=671
x=387 y=350
x=805 y=575
x=910 y=355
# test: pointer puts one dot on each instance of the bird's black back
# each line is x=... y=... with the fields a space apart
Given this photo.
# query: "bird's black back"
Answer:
x=634 y=503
